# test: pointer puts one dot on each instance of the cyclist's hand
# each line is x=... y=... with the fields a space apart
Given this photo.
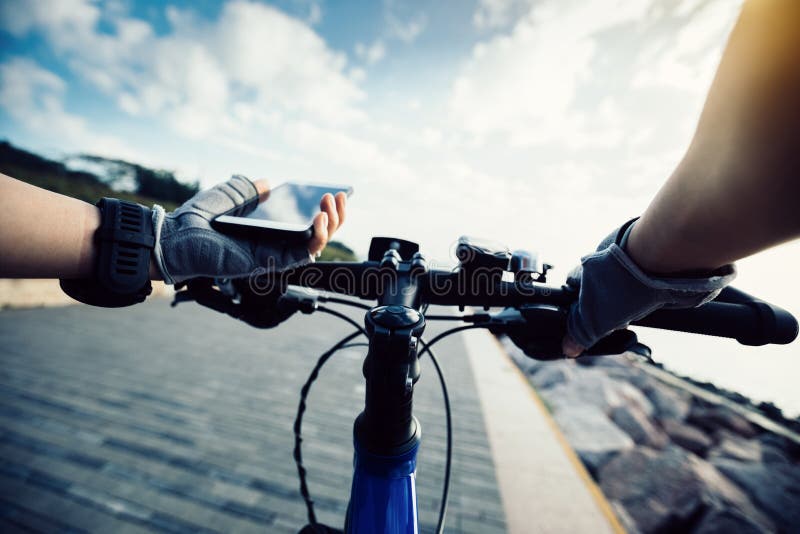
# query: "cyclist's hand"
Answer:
x=331 y=216
x=613 y=291
x=188 y=247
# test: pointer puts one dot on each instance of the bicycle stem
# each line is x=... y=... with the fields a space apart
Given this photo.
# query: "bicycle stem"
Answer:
x=386 y=426
x=386 y=434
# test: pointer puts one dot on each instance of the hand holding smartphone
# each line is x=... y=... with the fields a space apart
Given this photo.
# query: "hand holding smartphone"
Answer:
x=287 y=214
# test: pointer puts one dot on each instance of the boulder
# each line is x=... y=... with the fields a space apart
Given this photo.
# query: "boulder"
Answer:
x=712 y=418
x=668 y=402
x=779 y=448
x=634 y=397
x=593 y=436
x=688 y=437
x=610 y=362
x=733 y=447
x=639 y=378
x=726 y=521
x=771 y=454
x=594 y=388
x=637 y=425
x=669 y=490
x=624 y=518
x=775 y=488
x=552 y=374
x=623 y=373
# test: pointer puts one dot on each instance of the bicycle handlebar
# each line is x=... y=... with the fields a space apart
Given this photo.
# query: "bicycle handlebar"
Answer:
x=397 y=274
x=733 y=314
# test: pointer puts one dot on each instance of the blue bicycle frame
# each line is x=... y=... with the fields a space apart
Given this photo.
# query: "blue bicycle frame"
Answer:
x=383 y=497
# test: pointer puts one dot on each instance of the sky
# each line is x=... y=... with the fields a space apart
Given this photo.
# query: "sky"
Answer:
x=541 y=124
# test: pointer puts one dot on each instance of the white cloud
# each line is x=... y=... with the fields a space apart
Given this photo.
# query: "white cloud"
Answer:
x=72 y=16
x=235 y=88
x=553 y=103
x=407 y=30
x=403 y=24
x=314 y=16
x=287 y=63
x=370 y=54
x=491 y=14
x=26 y=88
x=523 y=84
x=369 y=157
x=193 y=75
x=357 y=74
x=432 y=137
x=687 y=62
x=33 y=96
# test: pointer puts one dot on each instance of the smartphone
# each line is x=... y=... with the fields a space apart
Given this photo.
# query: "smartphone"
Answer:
x=287 y=214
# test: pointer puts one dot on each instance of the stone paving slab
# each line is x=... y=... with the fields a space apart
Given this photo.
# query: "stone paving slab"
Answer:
x=152 y=419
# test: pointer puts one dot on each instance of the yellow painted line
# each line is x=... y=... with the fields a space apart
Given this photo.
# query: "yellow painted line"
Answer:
x=594 y=490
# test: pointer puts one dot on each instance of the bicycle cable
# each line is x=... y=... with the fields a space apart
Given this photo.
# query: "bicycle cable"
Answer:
x=472 y=319
x=446 y=333
x=344 y=342
x=449 y=448
x=427 y=347
x=347 y=302
x=301 y=408
x=343 y=317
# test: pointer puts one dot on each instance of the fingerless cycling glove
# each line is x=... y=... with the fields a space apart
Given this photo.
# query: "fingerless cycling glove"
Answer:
x=615 y=291
x=188 y=247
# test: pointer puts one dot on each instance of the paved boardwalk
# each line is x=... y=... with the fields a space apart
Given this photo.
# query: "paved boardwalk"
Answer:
x=175 y=420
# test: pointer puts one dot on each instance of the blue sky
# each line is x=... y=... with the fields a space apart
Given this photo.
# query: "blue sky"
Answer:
x=486 y=108
x=540 y=123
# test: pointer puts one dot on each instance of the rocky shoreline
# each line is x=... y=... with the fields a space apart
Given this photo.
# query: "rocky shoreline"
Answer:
x=666 y=458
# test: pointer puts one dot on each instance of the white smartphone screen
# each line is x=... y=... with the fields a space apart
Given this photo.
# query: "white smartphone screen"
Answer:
x=295 y=204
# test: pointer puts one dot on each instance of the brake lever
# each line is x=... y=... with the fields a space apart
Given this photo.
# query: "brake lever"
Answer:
x=618 y=342
x=304 y=299
x=202 y=291
x=238 y=300
x=539 y=328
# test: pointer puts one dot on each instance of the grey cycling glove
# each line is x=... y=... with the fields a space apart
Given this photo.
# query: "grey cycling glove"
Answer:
x=615 y=291
x=188 y=247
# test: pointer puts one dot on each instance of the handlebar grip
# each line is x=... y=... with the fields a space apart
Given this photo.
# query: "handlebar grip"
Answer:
x=733 y=314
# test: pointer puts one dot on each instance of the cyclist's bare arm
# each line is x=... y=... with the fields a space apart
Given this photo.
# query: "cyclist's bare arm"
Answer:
x=48 y=235
x=736 y=191
x=44 y=234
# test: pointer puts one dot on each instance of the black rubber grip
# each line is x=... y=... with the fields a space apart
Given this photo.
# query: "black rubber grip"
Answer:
x=732 y=314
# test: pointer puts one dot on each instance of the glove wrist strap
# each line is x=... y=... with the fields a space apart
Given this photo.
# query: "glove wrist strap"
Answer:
x=624 y=234
x=158 y=252
x=622 y=241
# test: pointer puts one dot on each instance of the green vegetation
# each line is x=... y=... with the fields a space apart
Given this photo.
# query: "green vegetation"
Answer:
x=336 y=251
x=55 y=176
x=150 y=183
x=151 y=186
